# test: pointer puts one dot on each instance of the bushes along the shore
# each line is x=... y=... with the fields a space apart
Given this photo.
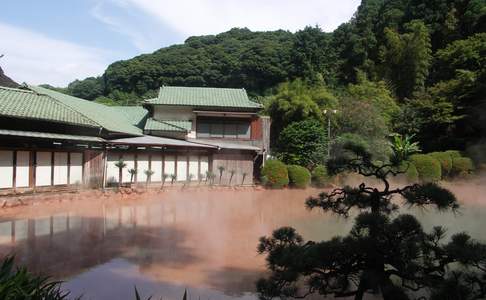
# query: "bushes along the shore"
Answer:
x=299 y=177
x=428 y=168
x=462 y=166
x=275 y=174
x=319 y=176
x=445 y=160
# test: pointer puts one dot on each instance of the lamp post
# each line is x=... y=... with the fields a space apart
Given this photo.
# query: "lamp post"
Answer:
x=328 y=113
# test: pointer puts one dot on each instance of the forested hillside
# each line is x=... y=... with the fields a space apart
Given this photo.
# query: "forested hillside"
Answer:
x=398 y=66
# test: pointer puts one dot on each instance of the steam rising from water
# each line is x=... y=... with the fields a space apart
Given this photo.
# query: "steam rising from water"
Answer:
x=203 y=240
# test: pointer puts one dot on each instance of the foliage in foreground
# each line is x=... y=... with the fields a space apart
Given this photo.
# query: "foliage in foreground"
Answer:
x=18 y=283
x=386 y=253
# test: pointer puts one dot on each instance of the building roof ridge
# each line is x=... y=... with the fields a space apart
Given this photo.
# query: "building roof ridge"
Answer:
x=63 y=104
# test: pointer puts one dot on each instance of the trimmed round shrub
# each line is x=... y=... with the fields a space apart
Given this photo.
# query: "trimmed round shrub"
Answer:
x=410 y=173
x=319 y=176
x=274 y=174
x=299 y=177
x=454 y=153
x=428 y=168
x=462 y=166
x=445 y=160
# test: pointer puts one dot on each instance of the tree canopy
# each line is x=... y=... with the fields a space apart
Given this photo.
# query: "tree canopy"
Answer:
x=419 y=63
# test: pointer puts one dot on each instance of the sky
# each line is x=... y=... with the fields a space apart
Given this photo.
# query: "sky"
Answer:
x=58 y=41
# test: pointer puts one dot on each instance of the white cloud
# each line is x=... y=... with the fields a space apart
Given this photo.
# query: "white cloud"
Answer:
x=198 y=17
x=121 y=18
x=35 y=58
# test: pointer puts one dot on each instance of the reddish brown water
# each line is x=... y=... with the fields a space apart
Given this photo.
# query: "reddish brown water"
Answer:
x=205 y=242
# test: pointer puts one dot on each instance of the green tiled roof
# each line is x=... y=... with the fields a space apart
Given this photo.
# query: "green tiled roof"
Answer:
x=179 y=126
x=216 y=98
x=100 y=114
x=19 y=103
x=136 y=115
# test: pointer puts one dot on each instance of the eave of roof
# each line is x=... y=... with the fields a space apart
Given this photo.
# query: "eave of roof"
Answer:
x=48 y=135
x=148 y=140
x=221 y=144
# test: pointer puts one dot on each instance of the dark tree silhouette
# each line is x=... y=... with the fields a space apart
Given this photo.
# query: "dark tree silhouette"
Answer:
x=386 y=253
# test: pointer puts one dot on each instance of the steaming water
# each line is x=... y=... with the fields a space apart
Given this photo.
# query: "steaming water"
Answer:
x=205 y=242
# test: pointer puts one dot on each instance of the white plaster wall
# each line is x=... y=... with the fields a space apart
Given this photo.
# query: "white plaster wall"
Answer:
x=194 y=167
x=60 y=168
x=129 y=160
x=6 y=169
x=204 y=166
x=112 y=172
x=43 y=169
x=179 y=113
x=76 y=168
x=22 y=169
x=156 y=167
x=181 y=167
x=169 y=165
x=142 y=166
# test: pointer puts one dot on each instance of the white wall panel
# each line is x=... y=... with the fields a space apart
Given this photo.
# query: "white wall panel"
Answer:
x=156 y=166
x=76 y=168
x=169 y=165
x=43 y=169
x=181 y=168
x=22 y=169
x=6 y=169
x=204 y=166
x=194 y=167
x=112 y=172
x=60 y=168
x=129 y=160
x=142 y=166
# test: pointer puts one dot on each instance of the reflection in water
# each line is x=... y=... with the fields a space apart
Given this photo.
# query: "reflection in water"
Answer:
x=205 y=242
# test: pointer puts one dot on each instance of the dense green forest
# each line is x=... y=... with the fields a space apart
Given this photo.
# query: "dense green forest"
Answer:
x=412 y=67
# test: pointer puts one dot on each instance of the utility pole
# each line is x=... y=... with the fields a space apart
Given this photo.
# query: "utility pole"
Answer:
x=328 y=114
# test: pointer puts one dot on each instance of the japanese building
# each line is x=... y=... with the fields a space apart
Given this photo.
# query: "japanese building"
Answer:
x=50 y=140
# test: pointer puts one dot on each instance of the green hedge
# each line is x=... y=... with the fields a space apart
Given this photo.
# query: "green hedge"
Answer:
x=410 y=172
x=428 y=168
x=454 y=153
x=462 y=166
x=275 y=174
x=299 y=177
x=319 y=176
x=445 y=160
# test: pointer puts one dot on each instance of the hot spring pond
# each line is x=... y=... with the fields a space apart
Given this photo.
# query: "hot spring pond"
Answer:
x=204 y=242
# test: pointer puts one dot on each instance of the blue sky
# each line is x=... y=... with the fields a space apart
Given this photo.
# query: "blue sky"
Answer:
x=58 y=41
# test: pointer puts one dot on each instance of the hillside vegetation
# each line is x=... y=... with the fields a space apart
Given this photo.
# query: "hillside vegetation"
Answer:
x=405 y=66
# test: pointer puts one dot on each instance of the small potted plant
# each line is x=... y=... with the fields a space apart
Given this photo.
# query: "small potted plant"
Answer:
x=148 y=174
x=232 y=173
x=221 y=170
x=132 y=172
x=120 y=164
x=164 y=178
